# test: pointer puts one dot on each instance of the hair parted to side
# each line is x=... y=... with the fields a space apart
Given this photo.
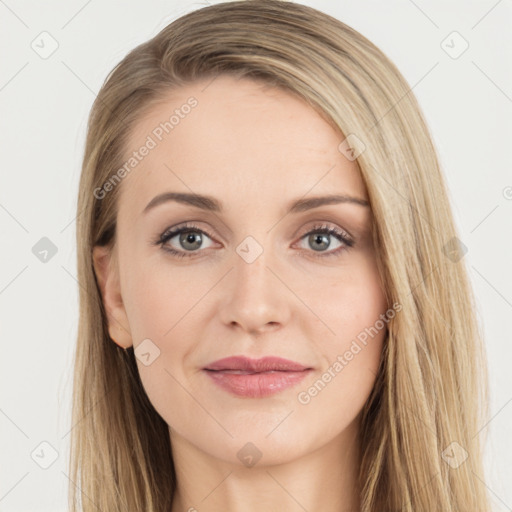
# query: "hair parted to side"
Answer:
x=431 y=389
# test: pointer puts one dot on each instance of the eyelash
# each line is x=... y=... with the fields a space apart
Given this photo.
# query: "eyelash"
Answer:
x=342 y=236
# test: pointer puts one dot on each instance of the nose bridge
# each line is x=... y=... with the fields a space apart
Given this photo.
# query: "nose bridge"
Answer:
x=254 y=297
x=250 y=273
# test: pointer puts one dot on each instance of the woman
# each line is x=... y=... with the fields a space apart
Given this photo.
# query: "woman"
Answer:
x=274 y=310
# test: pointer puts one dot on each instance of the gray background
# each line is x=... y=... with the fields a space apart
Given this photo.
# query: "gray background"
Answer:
x=44 y=105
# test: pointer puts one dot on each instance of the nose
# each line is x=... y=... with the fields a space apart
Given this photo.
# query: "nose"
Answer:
x=254 y=298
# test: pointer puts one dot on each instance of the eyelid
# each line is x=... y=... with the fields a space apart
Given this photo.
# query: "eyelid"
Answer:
x=184 y=226
x=342 y=235
x=326 y=224
x=317 y=225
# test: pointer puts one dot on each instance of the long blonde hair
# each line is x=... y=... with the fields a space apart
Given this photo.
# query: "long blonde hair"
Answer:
x=431 y=388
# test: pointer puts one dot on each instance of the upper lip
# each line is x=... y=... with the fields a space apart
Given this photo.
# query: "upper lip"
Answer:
x=265 y=364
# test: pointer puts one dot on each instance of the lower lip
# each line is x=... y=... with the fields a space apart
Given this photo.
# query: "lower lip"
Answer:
x=256 y=385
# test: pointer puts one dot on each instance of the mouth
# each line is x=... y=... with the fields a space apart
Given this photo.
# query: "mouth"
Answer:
x=256 y=378
x=264 y=364
x=245 y=372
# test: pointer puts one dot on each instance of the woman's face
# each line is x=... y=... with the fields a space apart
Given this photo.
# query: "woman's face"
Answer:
x=255 y=275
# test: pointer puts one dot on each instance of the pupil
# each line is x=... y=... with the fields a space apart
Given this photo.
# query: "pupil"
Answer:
x=319 y=239
x=190 y=238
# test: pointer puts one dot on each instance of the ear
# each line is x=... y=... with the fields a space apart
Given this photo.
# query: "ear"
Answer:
x=107 y=274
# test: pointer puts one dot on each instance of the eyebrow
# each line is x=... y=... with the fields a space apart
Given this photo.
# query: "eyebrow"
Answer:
x=211 y=204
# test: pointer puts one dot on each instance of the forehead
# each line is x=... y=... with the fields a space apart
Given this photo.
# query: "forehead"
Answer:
x=236 y=139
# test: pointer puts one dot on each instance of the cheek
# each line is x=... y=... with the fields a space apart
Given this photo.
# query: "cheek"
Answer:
x=338 y=393
x=160 y=310
x=348 y=301
x=354 y=308
x=159 y=301
x=164 y=307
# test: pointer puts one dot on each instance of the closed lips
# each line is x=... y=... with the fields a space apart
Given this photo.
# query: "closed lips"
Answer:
x=255 y=378
x=245 y=365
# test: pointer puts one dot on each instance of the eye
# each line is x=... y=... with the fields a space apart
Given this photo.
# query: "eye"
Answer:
x=190 y=238
x=318 y=239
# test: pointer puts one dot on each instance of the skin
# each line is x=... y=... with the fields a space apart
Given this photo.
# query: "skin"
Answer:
x=255 y=149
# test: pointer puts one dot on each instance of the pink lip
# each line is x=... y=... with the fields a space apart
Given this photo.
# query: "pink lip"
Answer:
x=255 y=378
